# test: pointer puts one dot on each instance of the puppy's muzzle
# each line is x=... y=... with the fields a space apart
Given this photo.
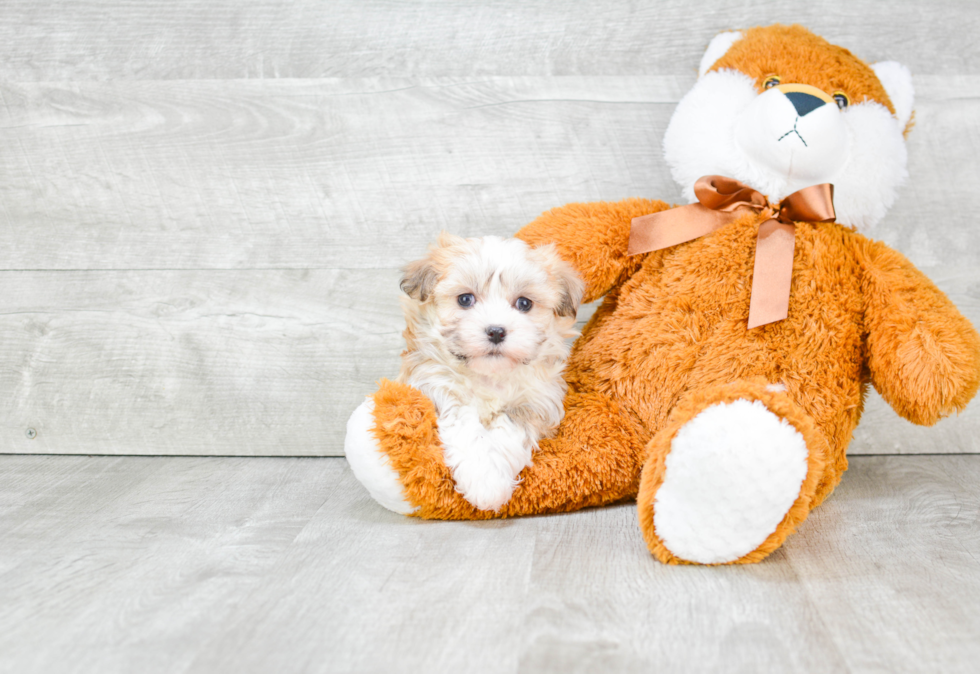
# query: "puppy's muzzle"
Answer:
x=496 y=334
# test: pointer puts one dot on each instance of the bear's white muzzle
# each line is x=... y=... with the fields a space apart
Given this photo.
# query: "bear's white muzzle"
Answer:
x=796 y=131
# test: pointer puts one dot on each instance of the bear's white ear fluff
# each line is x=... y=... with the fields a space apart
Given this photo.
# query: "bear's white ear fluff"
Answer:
x=717 y=48
x=897 y=81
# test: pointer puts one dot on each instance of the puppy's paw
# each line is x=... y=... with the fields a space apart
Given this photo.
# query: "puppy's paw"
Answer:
x=483 y=484
x=511 y=443
x=484 y=473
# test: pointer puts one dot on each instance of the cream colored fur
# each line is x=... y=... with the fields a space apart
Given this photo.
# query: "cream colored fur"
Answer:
x=494 y=401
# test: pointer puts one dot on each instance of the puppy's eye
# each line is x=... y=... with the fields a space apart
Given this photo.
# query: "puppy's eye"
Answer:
x=841 y=99
x=523 y=304
x=466 y=300
x=771 y=81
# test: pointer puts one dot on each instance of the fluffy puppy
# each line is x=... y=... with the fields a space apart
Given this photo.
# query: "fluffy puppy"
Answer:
x=488 y=323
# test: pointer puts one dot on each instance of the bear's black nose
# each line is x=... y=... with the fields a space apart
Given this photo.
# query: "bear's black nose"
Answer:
x=496 y=334
x=804 y=103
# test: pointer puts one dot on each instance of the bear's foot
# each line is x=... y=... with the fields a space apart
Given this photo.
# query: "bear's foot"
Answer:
x=730 y=477
x=370 y=465
x=732 y=474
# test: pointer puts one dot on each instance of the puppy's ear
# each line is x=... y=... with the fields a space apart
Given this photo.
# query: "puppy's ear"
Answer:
x=570 y=286
x=419 y=278
x=572 y=290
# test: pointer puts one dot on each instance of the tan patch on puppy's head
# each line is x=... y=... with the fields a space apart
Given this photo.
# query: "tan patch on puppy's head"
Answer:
x=797 y=56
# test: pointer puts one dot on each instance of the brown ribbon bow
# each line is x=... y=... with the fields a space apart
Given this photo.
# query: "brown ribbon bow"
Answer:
x=722 y=200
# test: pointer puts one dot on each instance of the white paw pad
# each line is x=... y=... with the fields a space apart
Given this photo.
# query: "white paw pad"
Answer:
x=732 y=474
x=369 y=465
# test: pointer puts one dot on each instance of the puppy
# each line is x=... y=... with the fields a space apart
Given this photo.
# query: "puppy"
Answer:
x=488 y=323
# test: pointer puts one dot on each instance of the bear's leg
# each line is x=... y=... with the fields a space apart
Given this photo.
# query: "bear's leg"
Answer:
x=393 y=447
x=730 y=476
x=369 y=465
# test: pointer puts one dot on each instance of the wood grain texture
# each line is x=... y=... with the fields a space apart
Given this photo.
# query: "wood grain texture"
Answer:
x=309 y=174
x=227 y=39
x=253 y=565
x=363 y=173
x=254 y=363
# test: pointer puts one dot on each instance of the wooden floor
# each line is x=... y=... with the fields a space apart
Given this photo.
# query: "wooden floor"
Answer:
x=188 y=564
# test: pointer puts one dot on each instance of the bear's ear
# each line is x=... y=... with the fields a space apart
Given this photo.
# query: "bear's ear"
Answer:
x=897 y=81
x=717 y=48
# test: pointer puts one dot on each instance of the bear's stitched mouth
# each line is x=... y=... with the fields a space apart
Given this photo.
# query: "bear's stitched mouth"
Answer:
x=794 y=130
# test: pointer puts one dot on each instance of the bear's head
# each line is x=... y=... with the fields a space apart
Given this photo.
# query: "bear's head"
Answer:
x=779 y=108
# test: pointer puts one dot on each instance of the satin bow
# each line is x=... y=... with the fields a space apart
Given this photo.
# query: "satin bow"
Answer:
x=722 y=200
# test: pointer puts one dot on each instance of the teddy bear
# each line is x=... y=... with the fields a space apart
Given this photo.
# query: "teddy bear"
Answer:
x=721 y=378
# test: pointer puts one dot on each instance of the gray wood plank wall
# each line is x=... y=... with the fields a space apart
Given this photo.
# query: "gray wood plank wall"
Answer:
x=203 y=206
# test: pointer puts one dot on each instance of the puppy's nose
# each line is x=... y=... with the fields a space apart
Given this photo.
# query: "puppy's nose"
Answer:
x=496 y=334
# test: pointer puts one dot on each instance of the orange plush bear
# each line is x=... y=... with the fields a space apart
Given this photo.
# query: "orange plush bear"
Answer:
x=722 y=377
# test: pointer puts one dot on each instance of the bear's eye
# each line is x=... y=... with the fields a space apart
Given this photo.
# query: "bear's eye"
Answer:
x=523 y=304
x=841 y=98
x=771 y=81
x=466 y=300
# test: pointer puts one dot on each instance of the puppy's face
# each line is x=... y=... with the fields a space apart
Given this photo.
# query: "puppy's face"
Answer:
x=494 y=303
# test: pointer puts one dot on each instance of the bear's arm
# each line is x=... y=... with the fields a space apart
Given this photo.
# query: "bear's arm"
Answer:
x=923 y=354
x=593 y=237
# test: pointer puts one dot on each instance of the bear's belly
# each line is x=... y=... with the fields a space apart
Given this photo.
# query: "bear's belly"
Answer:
x=680 y=324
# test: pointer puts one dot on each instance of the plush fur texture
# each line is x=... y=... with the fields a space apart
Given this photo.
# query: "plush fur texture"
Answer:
x=757 y=393
x=370 y=465
x=488 y=327
x=704 y=513
x=730 y=124
x=670 y=339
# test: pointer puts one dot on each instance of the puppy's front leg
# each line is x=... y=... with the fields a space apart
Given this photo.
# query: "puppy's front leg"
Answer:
x=485 y=462
x=512 y=442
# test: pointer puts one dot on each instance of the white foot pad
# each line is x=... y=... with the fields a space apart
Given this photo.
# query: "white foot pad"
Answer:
x=369 y=464
x=732 y=474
